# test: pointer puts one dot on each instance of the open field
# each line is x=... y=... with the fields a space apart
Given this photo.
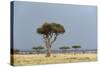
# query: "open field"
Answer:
x=55 y=58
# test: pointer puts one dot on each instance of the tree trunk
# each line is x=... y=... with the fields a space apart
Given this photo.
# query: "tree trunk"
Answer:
x=48 y=46
x=48 y=52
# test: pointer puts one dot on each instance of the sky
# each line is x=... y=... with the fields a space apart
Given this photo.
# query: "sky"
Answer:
x=79 y=21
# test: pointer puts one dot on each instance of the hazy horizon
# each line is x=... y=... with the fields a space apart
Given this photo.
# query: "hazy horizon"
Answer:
x=79 y=21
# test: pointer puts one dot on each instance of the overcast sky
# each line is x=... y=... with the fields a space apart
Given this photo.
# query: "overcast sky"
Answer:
x=79 y=21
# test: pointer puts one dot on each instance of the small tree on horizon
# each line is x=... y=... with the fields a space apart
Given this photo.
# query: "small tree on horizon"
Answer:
x=50 y=32
x=76 y=47
x=16 y=51
x=64 y=48
x=38 y=49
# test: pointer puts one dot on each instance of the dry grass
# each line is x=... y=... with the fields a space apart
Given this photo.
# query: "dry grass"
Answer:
x=55 y=58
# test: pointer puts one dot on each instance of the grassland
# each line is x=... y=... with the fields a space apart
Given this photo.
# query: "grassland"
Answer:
x=33 y=59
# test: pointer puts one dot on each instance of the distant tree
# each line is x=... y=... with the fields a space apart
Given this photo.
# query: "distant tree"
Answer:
x=16 y=51
x=38 y=49
x=50 y=32
x=64 y=48
x=76 y=47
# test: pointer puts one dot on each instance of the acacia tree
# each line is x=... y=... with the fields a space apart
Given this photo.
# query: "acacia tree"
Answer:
x=16 y=51
x=50 y=32
x=64 y=48
x=38 y=49
x=76 y=47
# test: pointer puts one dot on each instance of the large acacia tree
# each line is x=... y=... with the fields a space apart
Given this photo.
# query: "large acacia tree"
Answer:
x=50 y=32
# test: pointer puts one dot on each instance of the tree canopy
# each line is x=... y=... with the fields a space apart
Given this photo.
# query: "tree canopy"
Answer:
x=50 y=28
x=64 y=47
x=38 y=47
x=76 y=46
x=50 y=31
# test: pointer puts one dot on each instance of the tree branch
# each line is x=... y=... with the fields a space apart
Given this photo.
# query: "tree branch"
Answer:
x=44 y=37
x=55 y=37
